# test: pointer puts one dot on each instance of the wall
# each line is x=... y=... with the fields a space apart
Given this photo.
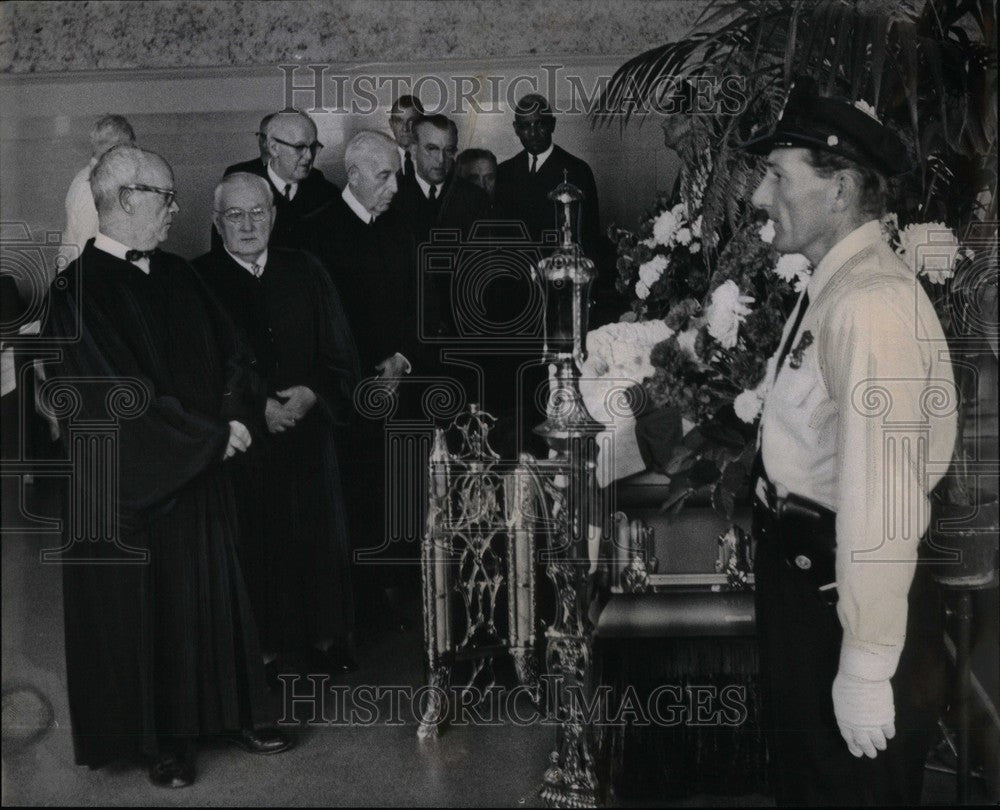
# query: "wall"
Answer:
x=195 y=78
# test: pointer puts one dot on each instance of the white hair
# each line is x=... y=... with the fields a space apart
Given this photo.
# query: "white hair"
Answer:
x=119 y=166
x=364 y=145
x=242 y=178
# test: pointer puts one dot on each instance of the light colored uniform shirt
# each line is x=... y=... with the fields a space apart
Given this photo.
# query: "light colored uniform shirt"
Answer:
x=81 y=215
x=865 y=426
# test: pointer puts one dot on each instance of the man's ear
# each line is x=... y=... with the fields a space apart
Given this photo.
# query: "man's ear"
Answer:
x=272 y=147
x=844 y=191
x=125 y=201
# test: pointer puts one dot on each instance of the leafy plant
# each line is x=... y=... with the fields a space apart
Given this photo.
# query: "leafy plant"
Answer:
x=928 y=68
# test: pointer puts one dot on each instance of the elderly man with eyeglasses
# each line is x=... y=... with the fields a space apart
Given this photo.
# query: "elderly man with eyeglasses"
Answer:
x=293 y=540
x=163 y=653
x=289 y=140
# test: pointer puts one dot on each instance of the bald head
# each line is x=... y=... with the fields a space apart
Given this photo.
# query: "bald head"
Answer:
x=292 y=145
x=371 y=161
x=134 y=194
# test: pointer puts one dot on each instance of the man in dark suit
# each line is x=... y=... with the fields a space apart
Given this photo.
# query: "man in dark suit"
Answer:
x=368 y=251
x=404 y=113
x=479 y=166
x=435 y=198
x=525 y=180
x=289 y=138
x=294 y=542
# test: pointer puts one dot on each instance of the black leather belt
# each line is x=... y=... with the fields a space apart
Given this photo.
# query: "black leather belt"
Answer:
x=806 y=535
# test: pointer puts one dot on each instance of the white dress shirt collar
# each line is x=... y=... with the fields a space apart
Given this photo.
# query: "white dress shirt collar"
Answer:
x=426 y=187
x=541 y=158
x=857 y=240
x=280 y=184
x=352 y=202
x=261 y=263
x=118 y=250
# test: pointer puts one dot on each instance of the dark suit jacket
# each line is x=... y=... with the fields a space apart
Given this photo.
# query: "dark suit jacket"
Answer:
x=313 y=193
x=519 y=195
x=461 y=204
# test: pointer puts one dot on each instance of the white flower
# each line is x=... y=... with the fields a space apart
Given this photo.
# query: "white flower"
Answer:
x=726 y=312
x=686 y=340
x=792 y=266
x=680 y=212
x=929 y=249
x=748 y=406
x=867 y=109
x=695 y=247
x=650 y=272
x=683 y=236
x=622 y=350
x=664 y=229
x=696 y=228
x=641 y=291
x=767 y=232
x=650 y=243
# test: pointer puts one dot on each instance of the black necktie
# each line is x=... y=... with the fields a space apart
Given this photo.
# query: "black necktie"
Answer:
x=288 y=192
x=432 y=195
x=534 y=163
x=136 y=255
x=408 y=165
x=795 y=330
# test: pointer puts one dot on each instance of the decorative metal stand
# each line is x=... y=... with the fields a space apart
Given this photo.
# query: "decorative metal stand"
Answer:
x=571 y=779
x=479 y=510
x=479 y=546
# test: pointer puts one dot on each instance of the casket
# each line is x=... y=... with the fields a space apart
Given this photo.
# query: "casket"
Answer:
x=688 y=639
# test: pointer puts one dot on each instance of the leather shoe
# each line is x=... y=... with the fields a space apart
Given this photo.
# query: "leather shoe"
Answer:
x=260 y=741
x=170 y=770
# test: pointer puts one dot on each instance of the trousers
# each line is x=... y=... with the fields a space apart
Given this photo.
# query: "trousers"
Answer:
x=800 y=635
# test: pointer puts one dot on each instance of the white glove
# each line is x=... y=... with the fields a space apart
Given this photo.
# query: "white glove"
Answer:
x=865 y=713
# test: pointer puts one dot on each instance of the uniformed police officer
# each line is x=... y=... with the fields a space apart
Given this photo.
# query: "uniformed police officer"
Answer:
x=858 y=426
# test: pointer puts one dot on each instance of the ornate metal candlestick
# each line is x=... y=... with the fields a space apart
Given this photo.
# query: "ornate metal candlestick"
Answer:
x=571 y=779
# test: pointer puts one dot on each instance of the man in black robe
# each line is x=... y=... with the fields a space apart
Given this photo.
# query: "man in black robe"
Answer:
x=288 y=139
x=161 y=653
x=296 y=555
x=368 y=252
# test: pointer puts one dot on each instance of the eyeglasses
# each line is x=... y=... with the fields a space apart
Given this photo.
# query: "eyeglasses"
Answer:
x=234 y=216
x=313 y=147
x=168 y=194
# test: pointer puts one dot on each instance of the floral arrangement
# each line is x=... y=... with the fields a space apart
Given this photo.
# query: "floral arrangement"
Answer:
x=724 y=310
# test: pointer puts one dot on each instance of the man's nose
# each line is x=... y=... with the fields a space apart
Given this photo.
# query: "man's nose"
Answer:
x=246 y=223
x=761 y=197
x=173 y=208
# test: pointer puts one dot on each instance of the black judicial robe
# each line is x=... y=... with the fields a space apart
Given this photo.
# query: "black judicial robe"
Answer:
x=167 y=647
x=372 y=266
x=295 y=548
